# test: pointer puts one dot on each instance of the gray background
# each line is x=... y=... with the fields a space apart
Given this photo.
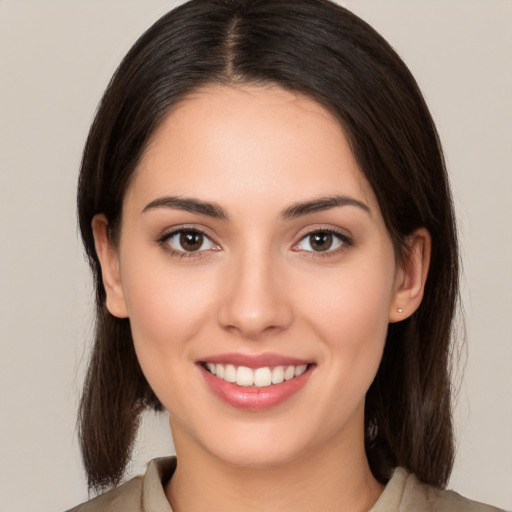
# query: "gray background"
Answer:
x=56 y=58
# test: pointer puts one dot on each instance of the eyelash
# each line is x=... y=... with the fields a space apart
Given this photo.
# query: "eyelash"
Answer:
x=344 y=240
x=163 y=241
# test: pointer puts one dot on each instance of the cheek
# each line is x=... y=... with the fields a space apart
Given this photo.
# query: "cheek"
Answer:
x=350 y=323
x=166 y=308
x=349 y=313
x=351 y=303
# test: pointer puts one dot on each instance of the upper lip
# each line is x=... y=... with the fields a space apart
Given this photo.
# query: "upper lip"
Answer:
x=254 y=360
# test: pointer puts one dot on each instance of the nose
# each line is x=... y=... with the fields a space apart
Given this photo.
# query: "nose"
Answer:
x=254 y=298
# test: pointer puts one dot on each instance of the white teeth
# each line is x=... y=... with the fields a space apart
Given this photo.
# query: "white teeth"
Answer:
x=262 y=377
x=230 y=373
x=278 y=375
x=259 y=377
x=244 y=376
x=289 y=373
x=299 y=370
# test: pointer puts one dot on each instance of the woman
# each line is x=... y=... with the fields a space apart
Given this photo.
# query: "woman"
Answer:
x=265 y=206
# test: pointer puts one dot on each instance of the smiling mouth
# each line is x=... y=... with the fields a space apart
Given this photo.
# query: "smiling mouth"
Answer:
x=255 y=377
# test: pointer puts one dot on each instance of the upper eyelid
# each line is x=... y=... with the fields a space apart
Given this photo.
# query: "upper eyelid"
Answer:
x=342 y=233
x=167 y=233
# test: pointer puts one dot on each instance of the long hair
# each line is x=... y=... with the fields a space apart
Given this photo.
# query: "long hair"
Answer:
x=319 y=49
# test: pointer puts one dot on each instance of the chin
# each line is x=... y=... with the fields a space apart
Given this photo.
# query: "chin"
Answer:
x=258 y=458
x=258 y=447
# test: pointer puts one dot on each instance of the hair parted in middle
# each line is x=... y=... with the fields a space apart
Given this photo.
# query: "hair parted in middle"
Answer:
x=321 y=50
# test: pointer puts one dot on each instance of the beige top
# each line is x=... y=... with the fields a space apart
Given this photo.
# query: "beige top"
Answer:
x=403 y=493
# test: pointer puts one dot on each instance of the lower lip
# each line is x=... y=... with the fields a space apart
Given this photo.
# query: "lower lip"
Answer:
x=252 y=398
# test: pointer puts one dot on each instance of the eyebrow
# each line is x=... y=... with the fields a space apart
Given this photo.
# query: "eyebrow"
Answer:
x=324 y=203
x=189 y=205
x=294 y=211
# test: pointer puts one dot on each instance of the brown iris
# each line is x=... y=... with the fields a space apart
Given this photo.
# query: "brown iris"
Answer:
x=321 y=241
x=191 y=240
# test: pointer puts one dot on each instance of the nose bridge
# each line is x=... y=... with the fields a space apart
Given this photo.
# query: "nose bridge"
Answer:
x=255 y=301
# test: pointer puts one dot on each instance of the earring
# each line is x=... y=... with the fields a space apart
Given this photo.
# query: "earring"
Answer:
x=400 y=311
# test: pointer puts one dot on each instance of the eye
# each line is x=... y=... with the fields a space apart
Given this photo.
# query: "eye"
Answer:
x=322 y=240
x=188 y=240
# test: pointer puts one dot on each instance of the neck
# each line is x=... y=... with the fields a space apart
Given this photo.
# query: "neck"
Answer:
x=335 y=477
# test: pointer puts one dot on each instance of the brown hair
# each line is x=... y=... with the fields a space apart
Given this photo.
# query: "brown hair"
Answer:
x=316 y=48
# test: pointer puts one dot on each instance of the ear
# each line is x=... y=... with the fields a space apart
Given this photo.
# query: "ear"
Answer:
x=110 y=268
x=411 y=276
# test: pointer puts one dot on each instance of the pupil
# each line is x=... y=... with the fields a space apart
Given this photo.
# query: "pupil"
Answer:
x=321 y=241
x=191 y=241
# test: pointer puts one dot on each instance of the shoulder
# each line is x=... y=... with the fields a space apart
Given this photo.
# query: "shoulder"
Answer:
x=440 y=500
x=405 y=493
x=140 y=494
x=125 y=498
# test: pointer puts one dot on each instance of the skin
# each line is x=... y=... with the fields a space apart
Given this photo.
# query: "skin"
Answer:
x=259 y=287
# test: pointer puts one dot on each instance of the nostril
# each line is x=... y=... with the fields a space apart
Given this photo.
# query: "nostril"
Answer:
x=252 y=301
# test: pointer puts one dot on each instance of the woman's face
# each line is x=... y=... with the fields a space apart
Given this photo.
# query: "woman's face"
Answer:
x=253 y=247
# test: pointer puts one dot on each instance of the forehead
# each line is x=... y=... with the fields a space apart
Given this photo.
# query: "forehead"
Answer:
x=260 y=142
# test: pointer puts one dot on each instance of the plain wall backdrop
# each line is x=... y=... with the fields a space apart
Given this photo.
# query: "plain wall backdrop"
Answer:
x=56 y=58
